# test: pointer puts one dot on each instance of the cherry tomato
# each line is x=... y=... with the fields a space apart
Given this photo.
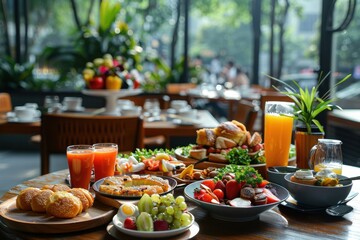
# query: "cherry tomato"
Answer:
x=256 y=148
x=207 y=198
x=219 y=193
x=209 y=183
x=199 y=193
x=263 y=183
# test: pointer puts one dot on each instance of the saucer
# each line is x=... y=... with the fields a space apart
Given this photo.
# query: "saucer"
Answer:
x=79 y=109
x=17 y=120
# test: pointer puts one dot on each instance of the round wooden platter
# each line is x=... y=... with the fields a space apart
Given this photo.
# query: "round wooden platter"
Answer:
x=28 y=221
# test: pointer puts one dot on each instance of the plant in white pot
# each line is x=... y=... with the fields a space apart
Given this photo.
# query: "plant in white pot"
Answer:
x=308 y=106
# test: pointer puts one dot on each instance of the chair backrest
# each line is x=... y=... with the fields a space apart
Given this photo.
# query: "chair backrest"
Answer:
x=61 y=130
x=270 y=96
x=5 y=103
x=246 y=112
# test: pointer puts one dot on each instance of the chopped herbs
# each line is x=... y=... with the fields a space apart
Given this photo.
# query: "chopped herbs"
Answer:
x=242 y=174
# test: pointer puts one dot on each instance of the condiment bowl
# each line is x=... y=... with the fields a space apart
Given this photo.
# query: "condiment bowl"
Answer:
x=318 y=196
x=277 y=174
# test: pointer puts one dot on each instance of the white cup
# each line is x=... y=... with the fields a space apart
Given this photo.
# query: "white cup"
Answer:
x=31 y=105
x=179 y=104
x=24 y=113
x=72 y=103
x=123 y=103
x=131 y=111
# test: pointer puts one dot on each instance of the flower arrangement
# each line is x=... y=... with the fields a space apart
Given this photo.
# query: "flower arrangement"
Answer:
x=308 y=105
x=110 y=73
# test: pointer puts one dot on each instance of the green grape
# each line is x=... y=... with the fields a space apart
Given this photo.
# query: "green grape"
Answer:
x=185 y=217
x=154 y=211
x=156 y=198
x=177 y=213
x=163 y=199
x=161 y=216
x=176 y=224
x=179 y=200
x=170 y=197
x=168 y=218
x=182 y=206
x=162 y=208
x=185 y=223
x=170 y=210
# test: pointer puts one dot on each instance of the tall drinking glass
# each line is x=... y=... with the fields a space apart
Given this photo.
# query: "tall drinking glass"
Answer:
x=104 y=161
x=278 y=131
x=80 y=161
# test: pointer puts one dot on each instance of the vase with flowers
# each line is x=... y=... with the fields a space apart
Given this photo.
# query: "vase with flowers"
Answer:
x=308 y=105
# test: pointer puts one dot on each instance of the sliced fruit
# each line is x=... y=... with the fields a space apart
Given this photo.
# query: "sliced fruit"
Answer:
x=232 y=189
x=188 y=170
x=144 y=222
x=239 y=202
x=161 y=225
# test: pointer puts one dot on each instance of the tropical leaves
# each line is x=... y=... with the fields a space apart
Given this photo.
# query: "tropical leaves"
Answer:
x=308 y=105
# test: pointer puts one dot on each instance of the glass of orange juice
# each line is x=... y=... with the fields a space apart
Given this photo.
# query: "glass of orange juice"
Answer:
x=80 y=161
x=278 y=131
x=104 y=161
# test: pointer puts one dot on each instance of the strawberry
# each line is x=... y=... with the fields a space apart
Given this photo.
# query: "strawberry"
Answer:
x=220 y=185
x=161 y=225
x=129 y=223
x=232 y=189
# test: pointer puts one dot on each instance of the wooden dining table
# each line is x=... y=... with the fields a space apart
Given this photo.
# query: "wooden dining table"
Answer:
x=279 y=223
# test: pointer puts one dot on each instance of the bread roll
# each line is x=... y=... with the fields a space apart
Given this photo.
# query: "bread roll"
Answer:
x=255 y=139
x=87 y=200
x=205 y=137
x=198 y=153
x=217 y=157
x=231 y=131
x=63 y=204
x=303 y=181
x=56 y=187
x=223 y=142
x=39 y=201
x=239 y=125
x=23 y=200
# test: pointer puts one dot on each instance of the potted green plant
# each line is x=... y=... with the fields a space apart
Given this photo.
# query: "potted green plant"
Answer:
x=308 y=106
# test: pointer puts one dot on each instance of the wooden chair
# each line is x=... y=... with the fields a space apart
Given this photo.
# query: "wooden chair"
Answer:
x=246 y=112
x=270 y=96
x=5 y=103
x=60 y=130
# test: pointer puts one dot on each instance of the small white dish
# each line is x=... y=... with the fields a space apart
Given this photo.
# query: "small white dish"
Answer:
x=17 y=120
x=78 y=109
x=155 y=234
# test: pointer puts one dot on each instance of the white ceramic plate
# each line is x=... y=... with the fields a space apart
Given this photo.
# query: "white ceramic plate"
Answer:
x=156 y=234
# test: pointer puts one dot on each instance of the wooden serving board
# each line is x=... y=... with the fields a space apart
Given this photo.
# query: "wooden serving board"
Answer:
x=28 y=221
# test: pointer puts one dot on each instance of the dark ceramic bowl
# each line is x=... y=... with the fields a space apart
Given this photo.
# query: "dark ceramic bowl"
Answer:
x=318 y=196
x=277 y=174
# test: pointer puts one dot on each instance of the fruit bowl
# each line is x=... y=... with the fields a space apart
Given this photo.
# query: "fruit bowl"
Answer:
x=318 y=196
x=231 y=213
x=155 y=234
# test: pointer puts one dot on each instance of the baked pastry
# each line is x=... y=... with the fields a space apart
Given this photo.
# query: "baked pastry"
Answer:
x=56 y=187
x=205 y=137
x=239 y=125
x=39 y=201
x=223 y=142
x=134 y=185
x=198 y=153
x=217 y=157
x=231 y=131
x=303 y=177
x=255 y=139
x=63 y=204
x=23 y=200
x=87 y=200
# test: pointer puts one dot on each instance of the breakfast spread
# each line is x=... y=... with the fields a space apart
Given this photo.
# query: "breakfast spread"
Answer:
x=215 y=144
x=324 y=177
x=134 y=185
x=57 y=200
x=236 y=186
x=155 y=213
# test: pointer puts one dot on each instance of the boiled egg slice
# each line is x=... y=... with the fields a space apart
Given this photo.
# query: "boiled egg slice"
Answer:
x=127 y=210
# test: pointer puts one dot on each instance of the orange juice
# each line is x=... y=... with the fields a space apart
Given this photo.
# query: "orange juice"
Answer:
x=104 y=161
x=335 y=167
x=80 y=164
x=278 y=130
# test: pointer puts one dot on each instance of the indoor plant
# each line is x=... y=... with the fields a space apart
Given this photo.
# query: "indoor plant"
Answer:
x=308 y=105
